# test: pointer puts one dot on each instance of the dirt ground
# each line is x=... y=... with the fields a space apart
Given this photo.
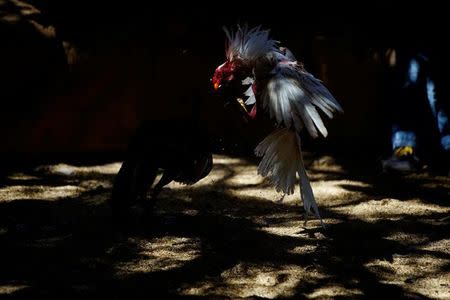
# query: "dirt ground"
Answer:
x=228 y=236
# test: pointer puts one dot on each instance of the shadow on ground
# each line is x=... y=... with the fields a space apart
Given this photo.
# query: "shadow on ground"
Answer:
x=228 y=236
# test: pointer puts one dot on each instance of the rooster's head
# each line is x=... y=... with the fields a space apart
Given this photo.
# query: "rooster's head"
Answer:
x=228 y=81
x=228 y=73
x=245 y=49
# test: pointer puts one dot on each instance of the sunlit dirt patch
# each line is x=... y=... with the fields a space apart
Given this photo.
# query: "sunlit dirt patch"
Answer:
x=49 y=193
x=22 y=177
x=6 y=289
x=425 y=271
x=247 y=280
x=423 y=274
x=68 y=170
x=159 y=254
x=330 y=291
x=392 y=209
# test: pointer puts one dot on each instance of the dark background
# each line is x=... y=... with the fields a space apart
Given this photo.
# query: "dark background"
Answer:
x=77 y=77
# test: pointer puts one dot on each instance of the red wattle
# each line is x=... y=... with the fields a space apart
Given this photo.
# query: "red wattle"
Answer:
x=252 y=113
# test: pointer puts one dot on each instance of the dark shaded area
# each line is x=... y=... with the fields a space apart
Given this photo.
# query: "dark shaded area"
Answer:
x=180 y=150
x=79 y=76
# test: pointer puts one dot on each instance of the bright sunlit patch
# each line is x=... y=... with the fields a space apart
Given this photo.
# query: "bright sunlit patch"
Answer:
x=332 y=291
x=6 y=289
x=161 y=254
x=304 y=249
x=248 y=280
x=22 y=176
x=227 y=160
x=408 y=239
x=95 y=184
x=68 y=170
x=333 y=189
x=392 y=209
x=245 y=176
x=39 y=192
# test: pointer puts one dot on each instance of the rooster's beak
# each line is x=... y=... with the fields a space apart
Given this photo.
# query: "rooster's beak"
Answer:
x=216 y=86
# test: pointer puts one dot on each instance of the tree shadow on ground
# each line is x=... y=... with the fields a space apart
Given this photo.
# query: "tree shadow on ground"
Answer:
x=208 y=242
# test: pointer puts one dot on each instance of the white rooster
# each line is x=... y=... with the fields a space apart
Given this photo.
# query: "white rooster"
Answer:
x=277 y=84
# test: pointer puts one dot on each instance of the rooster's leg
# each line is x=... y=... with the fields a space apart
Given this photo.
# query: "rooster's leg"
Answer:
x=166 y=178
x=144 y=177
x=130 y=188
x=306 y=192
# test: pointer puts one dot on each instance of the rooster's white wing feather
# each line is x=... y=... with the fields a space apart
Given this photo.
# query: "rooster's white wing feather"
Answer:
x=294 y=97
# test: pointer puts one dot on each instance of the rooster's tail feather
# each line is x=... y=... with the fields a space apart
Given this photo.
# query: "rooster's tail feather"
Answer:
x=281 y=161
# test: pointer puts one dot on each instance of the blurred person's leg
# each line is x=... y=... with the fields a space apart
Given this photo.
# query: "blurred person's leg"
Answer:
x=407 y=112
x=441 y=120
x=440 y=115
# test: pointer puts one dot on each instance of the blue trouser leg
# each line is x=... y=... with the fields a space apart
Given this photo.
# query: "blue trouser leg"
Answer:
x=439 y=115
x=406 y=107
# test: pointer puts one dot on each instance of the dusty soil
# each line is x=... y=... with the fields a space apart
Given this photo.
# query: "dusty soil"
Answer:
x=228 y=236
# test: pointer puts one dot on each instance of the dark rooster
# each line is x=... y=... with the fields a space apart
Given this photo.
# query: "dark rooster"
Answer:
x=277 y=84
x=180 y=149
